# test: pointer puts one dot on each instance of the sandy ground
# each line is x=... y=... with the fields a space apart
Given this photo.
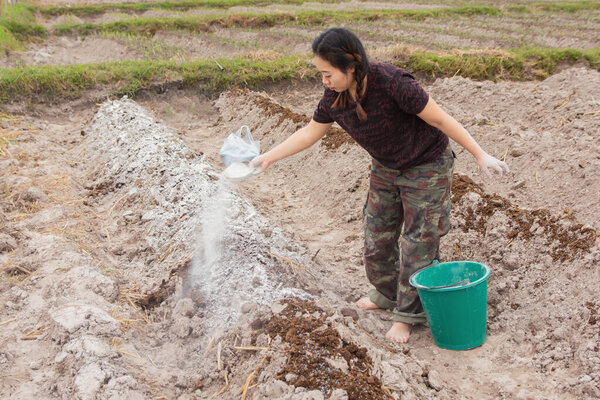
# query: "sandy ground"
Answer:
x=110 y=214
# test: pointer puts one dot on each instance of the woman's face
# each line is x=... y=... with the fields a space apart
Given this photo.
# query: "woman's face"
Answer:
x=332 y=77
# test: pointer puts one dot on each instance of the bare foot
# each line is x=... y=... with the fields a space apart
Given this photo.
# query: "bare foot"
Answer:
x=399 y=332
x=366 y=304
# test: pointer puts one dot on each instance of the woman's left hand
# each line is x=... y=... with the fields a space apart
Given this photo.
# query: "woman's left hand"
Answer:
x=489 y=163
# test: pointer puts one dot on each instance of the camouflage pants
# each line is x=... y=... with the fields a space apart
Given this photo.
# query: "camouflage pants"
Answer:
x=411 y=206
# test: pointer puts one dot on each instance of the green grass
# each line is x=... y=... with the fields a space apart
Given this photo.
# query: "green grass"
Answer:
x=592 y=56
x=548 y=59
x=128 y=77
x=90 y=10
x=261 y=20
x=19 y=21
x=302 y=18
x=20 y=12
x=8 y=41
x=573 y=6
x=519 y=64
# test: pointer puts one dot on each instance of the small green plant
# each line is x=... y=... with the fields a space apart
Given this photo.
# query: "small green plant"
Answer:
x=106 y=271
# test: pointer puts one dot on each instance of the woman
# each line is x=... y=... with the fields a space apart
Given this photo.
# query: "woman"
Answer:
x=386 y=111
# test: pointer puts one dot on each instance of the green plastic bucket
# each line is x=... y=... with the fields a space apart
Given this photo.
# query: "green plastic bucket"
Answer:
x=454 y=297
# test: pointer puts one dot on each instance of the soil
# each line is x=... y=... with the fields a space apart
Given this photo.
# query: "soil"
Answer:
x=71 y=50
x=107 y=292
x=129 y=268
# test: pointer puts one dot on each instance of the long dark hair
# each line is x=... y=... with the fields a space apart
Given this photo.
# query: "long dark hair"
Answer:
x=343 y=50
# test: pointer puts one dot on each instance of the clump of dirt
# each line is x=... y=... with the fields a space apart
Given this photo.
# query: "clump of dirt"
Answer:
x=271 y=108
x=573 y=240
x=335 y=138
x=594 y=317
x=314 y=344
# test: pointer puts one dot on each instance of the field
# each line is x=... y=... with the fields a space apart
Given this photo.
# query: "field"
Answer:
x=130 y=269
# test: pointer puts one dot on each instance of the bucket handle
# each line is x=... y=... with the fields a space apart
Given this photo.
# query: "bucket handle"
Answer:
x=456 y=284
x=436 y=262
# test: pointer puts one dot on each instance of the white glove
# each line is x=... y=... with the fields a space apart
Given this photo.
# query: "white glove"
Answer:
x=261 y=161
x=489 y=164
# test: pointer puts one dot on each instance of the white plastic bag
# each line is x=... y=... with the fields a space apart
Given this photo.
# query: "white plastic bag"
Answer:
x=237 y=148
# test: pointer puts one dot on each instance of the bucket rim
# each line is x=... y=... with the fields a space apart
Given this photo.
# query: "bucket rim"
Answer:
x=485 y=276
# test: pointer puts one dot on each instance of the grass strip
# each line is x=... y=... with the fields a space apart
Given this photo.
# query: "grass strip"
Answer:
x=91 y=10
x=44 y=83
x=21 y=12
x=19 y=22
x=8 y=40
x=261 y=20
x=571 y=7
x=95 y=9
x=23 y=31
x=519 y=64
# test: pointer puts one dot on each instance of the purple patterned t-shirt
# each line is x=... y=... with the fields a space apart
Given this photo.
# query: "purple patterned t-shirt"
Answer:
x=392 y=134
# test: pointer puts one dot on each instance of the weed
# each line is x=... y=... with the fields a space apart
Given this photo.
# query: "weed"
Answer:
x=106 y=271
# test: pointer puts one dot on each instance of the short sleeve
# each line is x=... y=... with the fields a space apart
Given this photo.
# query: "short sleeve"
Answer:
x=407 y=93
x=322 y=113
